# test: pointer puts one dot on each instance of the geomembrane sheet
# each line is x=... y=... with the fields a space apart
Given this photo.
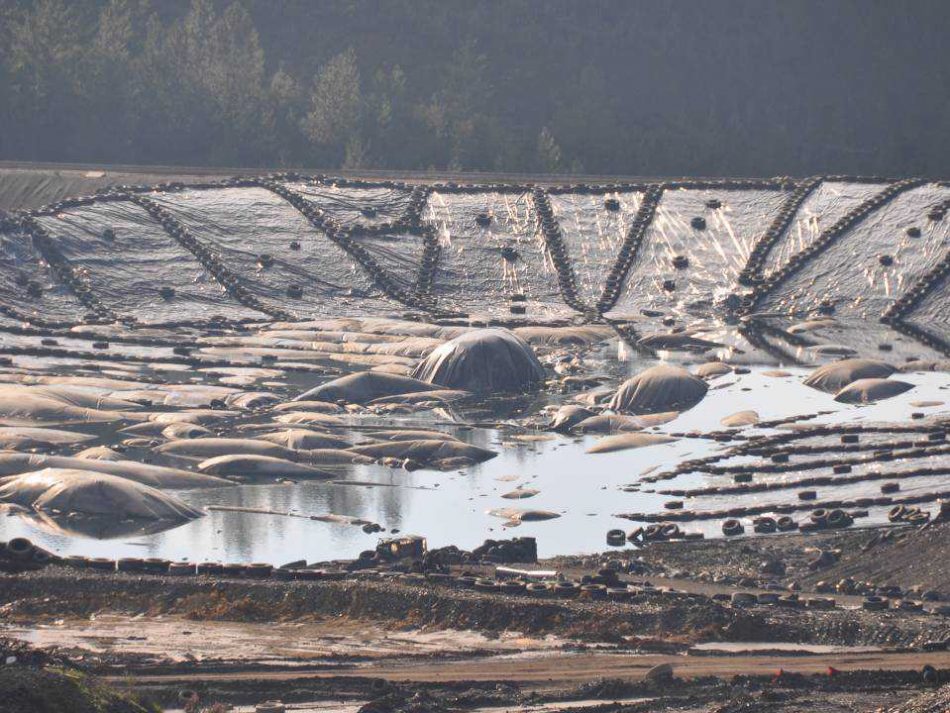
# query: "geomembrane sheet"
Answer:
x=594 y=235
x=481 y=267
x=21 y=264
x=244 y=224
x=400 y=254
x=824 y=207
x=847 y=338
x=932 y=314
x=128 y=267
x=716 y=254
x=356 y=206
x=870 y=266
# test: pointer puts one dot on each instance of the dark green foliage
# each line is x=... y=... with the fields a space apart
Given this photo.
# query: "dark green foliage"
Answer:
x=633 y=87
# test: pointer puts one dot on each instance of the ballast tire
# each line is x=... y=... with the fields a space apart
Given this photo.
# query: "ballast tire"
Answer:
x=765 y=525
x=20 y=548
x=130 y=564
x=838 y=519
x=156 y=565
x=670 y=530
x=616 y=538
x=593 y=591
x=259 y=570
x=618 y=593
x=786 y=524
x=513 y=586
x=483 y=584
x=566 y=589
x=732 y=527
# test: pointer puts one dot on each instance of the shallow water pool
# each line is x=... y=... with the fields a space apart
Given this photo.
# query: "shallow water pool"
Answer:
x=585 y=490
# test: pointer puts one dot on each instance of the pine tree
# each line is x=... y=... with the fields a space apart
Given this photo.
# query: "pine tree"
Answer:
x=336 y=104
x=549 y=153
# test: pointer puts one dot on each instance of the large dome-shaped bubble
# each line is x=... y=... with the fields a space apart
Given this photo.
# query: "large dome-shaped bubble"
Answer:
x=659 y=388
x=483 y=361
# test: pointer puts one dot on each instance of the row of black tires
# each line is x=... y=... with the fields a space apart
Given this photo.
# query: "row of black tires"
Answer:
x=748 y=488
x=209 y=260
x=771 y=446
x=63 y=270
x=554 y=241
x=343 y=238
x=787 y=508
x=825 y=240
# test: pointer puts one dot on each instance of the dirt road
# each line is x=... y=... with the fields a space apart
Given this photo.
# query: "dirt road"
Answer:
x=568 y=668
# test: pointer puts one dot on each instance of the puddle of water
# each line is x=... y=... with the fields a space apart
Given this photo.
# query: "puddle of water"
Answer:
x=296 y=643
x=451 y=508
x=562 y=706
x=741 y=647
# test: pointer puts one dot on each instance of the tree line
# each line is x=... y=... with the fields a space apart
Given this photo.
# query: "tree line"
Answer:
x=628 y=87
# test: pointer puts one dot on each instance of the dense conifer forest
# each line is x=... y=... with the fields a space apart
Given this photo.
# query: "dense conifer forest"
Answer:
x=631 y=87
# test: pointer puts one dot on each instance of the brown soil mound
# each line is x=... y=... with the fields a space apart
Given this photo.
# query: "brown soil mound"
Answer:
x=915 y=557
x=932 y=702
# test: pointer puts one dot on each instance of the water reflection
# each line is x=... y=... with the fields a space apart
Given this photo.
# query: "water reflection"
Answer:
x=451 y=507
x=99 y=527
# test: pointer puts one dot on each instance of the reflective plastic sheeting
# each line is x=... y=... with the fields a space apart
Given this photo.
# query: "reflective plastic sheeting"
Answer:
x=874 y=263
x=482 y=266
x=128 y=259
x=28 y=285
x=594 y=234
x=243 y=225
x=824 y=207
x=356 y=206
x=715 y=253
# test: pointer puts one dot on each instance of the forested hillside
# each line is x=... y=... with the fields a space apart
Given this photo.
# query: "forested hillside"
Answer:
x=633 y=87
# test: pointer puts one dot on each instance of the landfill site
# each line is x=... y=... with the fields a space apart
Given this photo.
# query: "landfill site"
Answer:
x=403 y=443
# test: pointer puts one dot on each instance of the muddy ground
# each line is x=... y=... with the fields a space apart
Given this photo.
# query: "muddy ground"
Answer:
x=902 y=556
x=416 y=644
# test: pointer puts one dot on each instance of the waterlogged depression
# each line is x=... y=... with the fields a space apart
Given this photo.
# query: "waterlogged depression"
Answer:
x=142 y=321
x=587 y=491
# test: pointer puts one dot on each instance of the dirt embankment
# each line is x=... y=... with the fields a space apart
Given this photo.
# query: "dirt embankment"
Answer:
x=743 y=681
x=673 y=617
x=31 y=187
x=62 y=592
x=746 y=689
x=910 y=558
x=25 y=185
x=930 y=702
